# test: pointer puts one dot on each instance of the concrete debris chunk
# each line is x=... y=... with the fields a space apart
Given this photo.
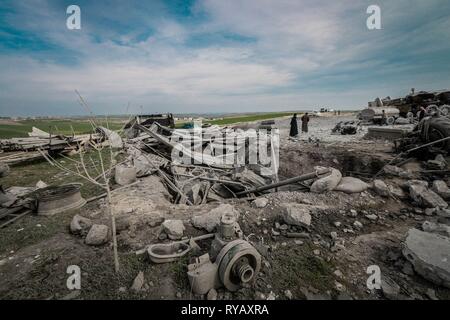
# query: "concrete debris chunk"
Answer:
x=396 y=171
x=351 y=185
x=397 y=192
x=441 y=188
x=429 y=253
x=381 y=188
x=209 y=221
x=438 y=228
x=138 y=282
x=296 y=214
x=79 y=224
x=174 y=229
x=328 y=182
x=425 y=197
x=97 y=235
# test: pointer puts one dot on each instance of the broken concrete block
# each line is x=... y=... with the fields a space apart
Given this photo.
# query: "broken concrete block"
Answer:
x=124 y=175
x=426 y=197
x=138 y=282
x=328 y=182
x=209 y=221
x=296 y=214
x=79 y=224
x=260 y=202
x=97 y=235
x=437 y=228
x=381 y=188
x=351 y=185
x=441 y=188
x=397 y=192
x=396 y=171
x=174 y=229
x=429 y=254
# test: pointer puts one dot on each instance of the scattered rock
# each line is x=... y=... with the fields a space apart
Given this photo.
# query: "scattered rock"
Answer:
x=138 y=282
x=211 y=220
x=351 y=185
x=97 y=235
x=397 y=192
x=174 y=229
x=80 y=225
x=431 y=294
x=271 y=296
x=441 y=188
x=429 y=253
x=261 y=202
x=381 y=188
x=396 y=171
x=353 y=213
x=357 y=224
x=41 y=184
x=288 y=294
x=326 y=183
x=212 y=294
x=4 y=170
x=438 y=228
x=296 y=214
x=372 y=217
x=339 y=286
x=425 y=197
x=334 y=235
x=444 y=213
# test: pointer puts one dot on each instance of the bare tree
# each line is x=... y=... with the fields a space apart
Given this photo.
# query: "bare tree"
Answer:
x=84 y=166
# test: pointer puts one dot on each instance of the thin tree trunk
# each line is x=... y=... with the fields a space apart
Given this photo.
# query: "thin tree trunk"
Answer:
x=113 y=225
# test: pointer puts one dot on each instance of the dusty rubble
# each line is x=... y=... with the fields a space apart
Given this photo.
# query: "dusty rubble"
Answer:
x=333 y=210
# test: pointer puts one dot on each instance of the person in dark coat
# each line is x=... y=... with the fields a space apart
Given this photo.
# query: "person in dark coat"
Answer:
x=422 y=113
x=305 y=120
x=294 y=127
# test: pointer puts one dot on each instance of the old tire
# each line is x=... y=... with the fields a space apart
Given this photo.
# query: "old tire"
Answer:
x=439 y=128
x=390 y=121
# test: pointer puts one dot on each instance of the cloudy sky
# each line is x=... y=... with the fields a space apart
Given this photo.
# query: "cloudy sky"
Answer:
x=217 y=56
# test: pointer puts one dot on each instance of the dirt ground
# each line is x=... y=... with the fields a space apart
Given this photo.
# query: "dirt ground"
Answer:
x=36 y=251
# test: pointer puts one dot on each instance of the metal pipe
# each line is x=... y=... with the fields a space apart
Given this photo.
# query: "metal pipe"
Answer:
x=303 y=177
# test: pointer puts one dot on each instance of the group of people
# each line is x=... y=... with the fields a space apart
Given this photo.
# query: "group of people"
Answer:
x=294 y=128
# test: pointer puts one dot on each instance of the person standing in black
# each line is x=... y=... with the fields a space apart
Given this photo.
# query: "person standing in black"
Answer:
x=422 y=113
x=305 y=120
x=294 y=128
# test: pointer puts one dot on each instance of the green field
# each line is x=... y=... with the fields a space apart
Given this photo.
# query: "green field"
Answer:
x=12 y=129
x=242 y=118
x=250 y=118
x=21 y=128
